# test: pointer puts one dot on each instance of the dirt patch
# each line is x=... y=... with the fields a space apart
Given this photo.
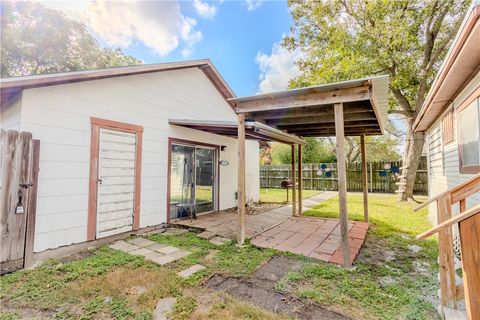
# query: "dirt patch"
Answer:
x=259 y=290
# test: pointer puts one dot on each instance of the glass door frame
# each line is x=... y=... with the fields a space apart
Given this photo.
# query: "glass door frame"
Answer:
x=216 y=171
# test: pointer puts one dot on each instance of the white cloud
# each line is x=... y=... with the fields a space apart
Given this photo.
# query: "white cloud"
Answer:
x=276 y=69
x=159 y=25
x=252 y=5
x=204 y=9
x=189 y=35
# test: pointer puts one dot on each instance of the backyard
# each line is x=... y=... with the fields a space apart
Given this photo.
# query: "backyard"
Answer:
x=393 y=277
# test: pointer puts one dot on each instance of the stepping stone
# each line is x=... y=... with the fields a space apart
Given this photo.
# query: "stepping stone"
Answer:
x=141 y=242
x=164 y=306
x=152 y=256
x=179 y=254
x=207 y=235
x=163 y=260
x=157 y=246
x=141 y=252
x=175 y=231
x=218 y=241
x=168 y=250
x=193 y=269
x=123 y=246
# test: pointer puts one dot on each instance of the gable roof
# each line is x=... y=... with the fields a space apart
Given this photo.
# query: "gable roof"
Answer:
x=461 y=63
x=11 y=86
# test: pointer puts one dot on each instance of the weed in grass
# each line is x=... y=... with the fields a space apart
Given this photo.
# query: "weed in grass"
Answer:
x=120 y=310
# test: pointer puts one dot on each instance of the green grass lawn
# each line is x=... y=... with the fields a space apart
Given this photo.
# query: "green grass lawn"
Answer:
x=394 y=276
x=110 y=284
x=280 y=195
x=390 y=279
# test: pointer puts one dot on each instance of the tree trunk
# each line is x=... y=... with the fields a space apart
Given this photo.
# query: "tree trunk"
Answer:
x=411 y=159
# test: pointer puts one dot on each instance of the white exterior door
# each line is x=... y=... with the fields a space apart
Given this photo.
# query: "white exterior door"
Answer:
x=116 y=182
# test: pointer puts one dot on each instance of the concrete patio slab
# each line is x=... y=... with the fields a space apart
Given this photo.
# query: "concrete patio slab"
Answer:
x=123 y=246
x=141 y=242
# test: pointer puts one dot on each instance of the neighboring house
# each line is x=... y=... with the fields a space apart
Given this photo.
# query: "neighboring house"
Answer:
x=450 y=115
x=116 y=121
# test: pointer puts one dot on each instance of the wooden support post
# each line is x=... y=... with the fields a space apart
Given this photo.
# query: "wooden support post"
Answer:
x=294 y=180
x=300 y=183
x=470 y=244
x=342 y=181
x=363 y=150
x=445 y=254
x=241 y=178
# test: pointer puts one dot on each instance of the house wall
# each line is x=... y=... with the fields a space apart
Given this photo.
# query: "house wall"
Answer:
x=10 y=114
x=443 y=160
x=60 y=117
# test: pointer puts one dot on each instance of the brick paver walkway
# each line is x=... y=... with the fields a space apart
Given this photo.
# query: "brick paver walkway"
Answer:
x=225 y=224
x=313 y=237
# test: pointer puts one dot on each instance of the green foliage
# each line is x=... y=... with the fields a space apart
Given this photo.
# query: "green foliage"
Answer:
x=37 y=40
x=405 y=39
x=315 y=151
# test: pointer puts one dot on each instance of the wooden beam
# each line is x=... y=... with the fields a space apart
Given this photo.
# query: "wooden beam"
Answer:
x=331 y=132
x=241 y=179
x=470 y=244
x=445 y=255
x=363 y=151
x=342 y=182
x=294 y=180
x=315 y=111
x=310 y=99
x=330 y=118
x=32 y=206
x=351 y=125
x=300 y=180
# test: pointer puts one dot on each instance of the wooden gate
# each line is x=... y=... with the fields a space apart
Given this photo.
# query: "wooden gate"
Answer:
x=19 y=155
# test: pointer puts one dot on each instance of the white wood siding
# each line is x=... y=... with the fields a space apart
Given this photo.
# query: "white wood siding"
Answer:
x=444 y=170
x=60 y=117
x=10 y=115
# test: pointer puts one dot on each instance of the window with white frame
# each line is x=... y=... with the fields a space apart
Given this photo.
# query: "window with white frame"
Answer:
x=468 y=124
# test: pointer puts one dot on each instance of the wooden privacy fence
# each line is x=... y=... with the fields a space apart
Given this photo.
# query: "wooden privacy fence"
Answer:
x=19 y=156
x=316 y=176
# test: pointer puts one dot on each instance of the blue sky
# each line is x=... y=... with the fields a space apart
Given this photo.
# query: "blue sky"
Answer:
x=240 y=37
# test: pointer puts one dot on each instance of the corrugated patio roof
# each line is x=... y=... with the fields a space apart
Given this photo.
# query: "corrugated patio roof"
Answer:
x=253 y=130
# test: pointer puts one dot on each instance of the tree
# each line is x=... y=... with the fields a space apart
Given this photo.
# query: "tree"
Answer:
x=381 y=148
x=406 y=39
x=315 y=151
x=37 y=40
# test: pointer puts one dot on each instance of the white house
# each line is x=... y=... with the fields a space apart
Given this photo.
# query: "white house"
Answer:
x=110 y=159
x=450 y=115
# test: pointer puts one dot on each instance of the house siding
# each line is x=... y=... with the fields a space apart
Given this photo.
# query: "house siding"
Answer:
x=59 y=116
x=10 y=115
x=444 y=165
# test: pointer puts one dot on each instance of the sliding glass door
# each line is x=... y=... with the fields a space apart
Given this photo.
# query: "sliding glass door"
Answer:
x=192 y=180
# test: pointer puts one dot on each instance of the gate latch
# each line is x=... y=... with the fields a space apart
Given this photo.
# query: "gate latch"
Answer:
x=20 y=208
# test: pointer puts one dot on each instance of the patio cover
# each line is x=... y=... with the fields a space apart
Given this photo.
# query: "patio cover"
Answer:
x=348 y=108
x=253 y=130
x=309 y=111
